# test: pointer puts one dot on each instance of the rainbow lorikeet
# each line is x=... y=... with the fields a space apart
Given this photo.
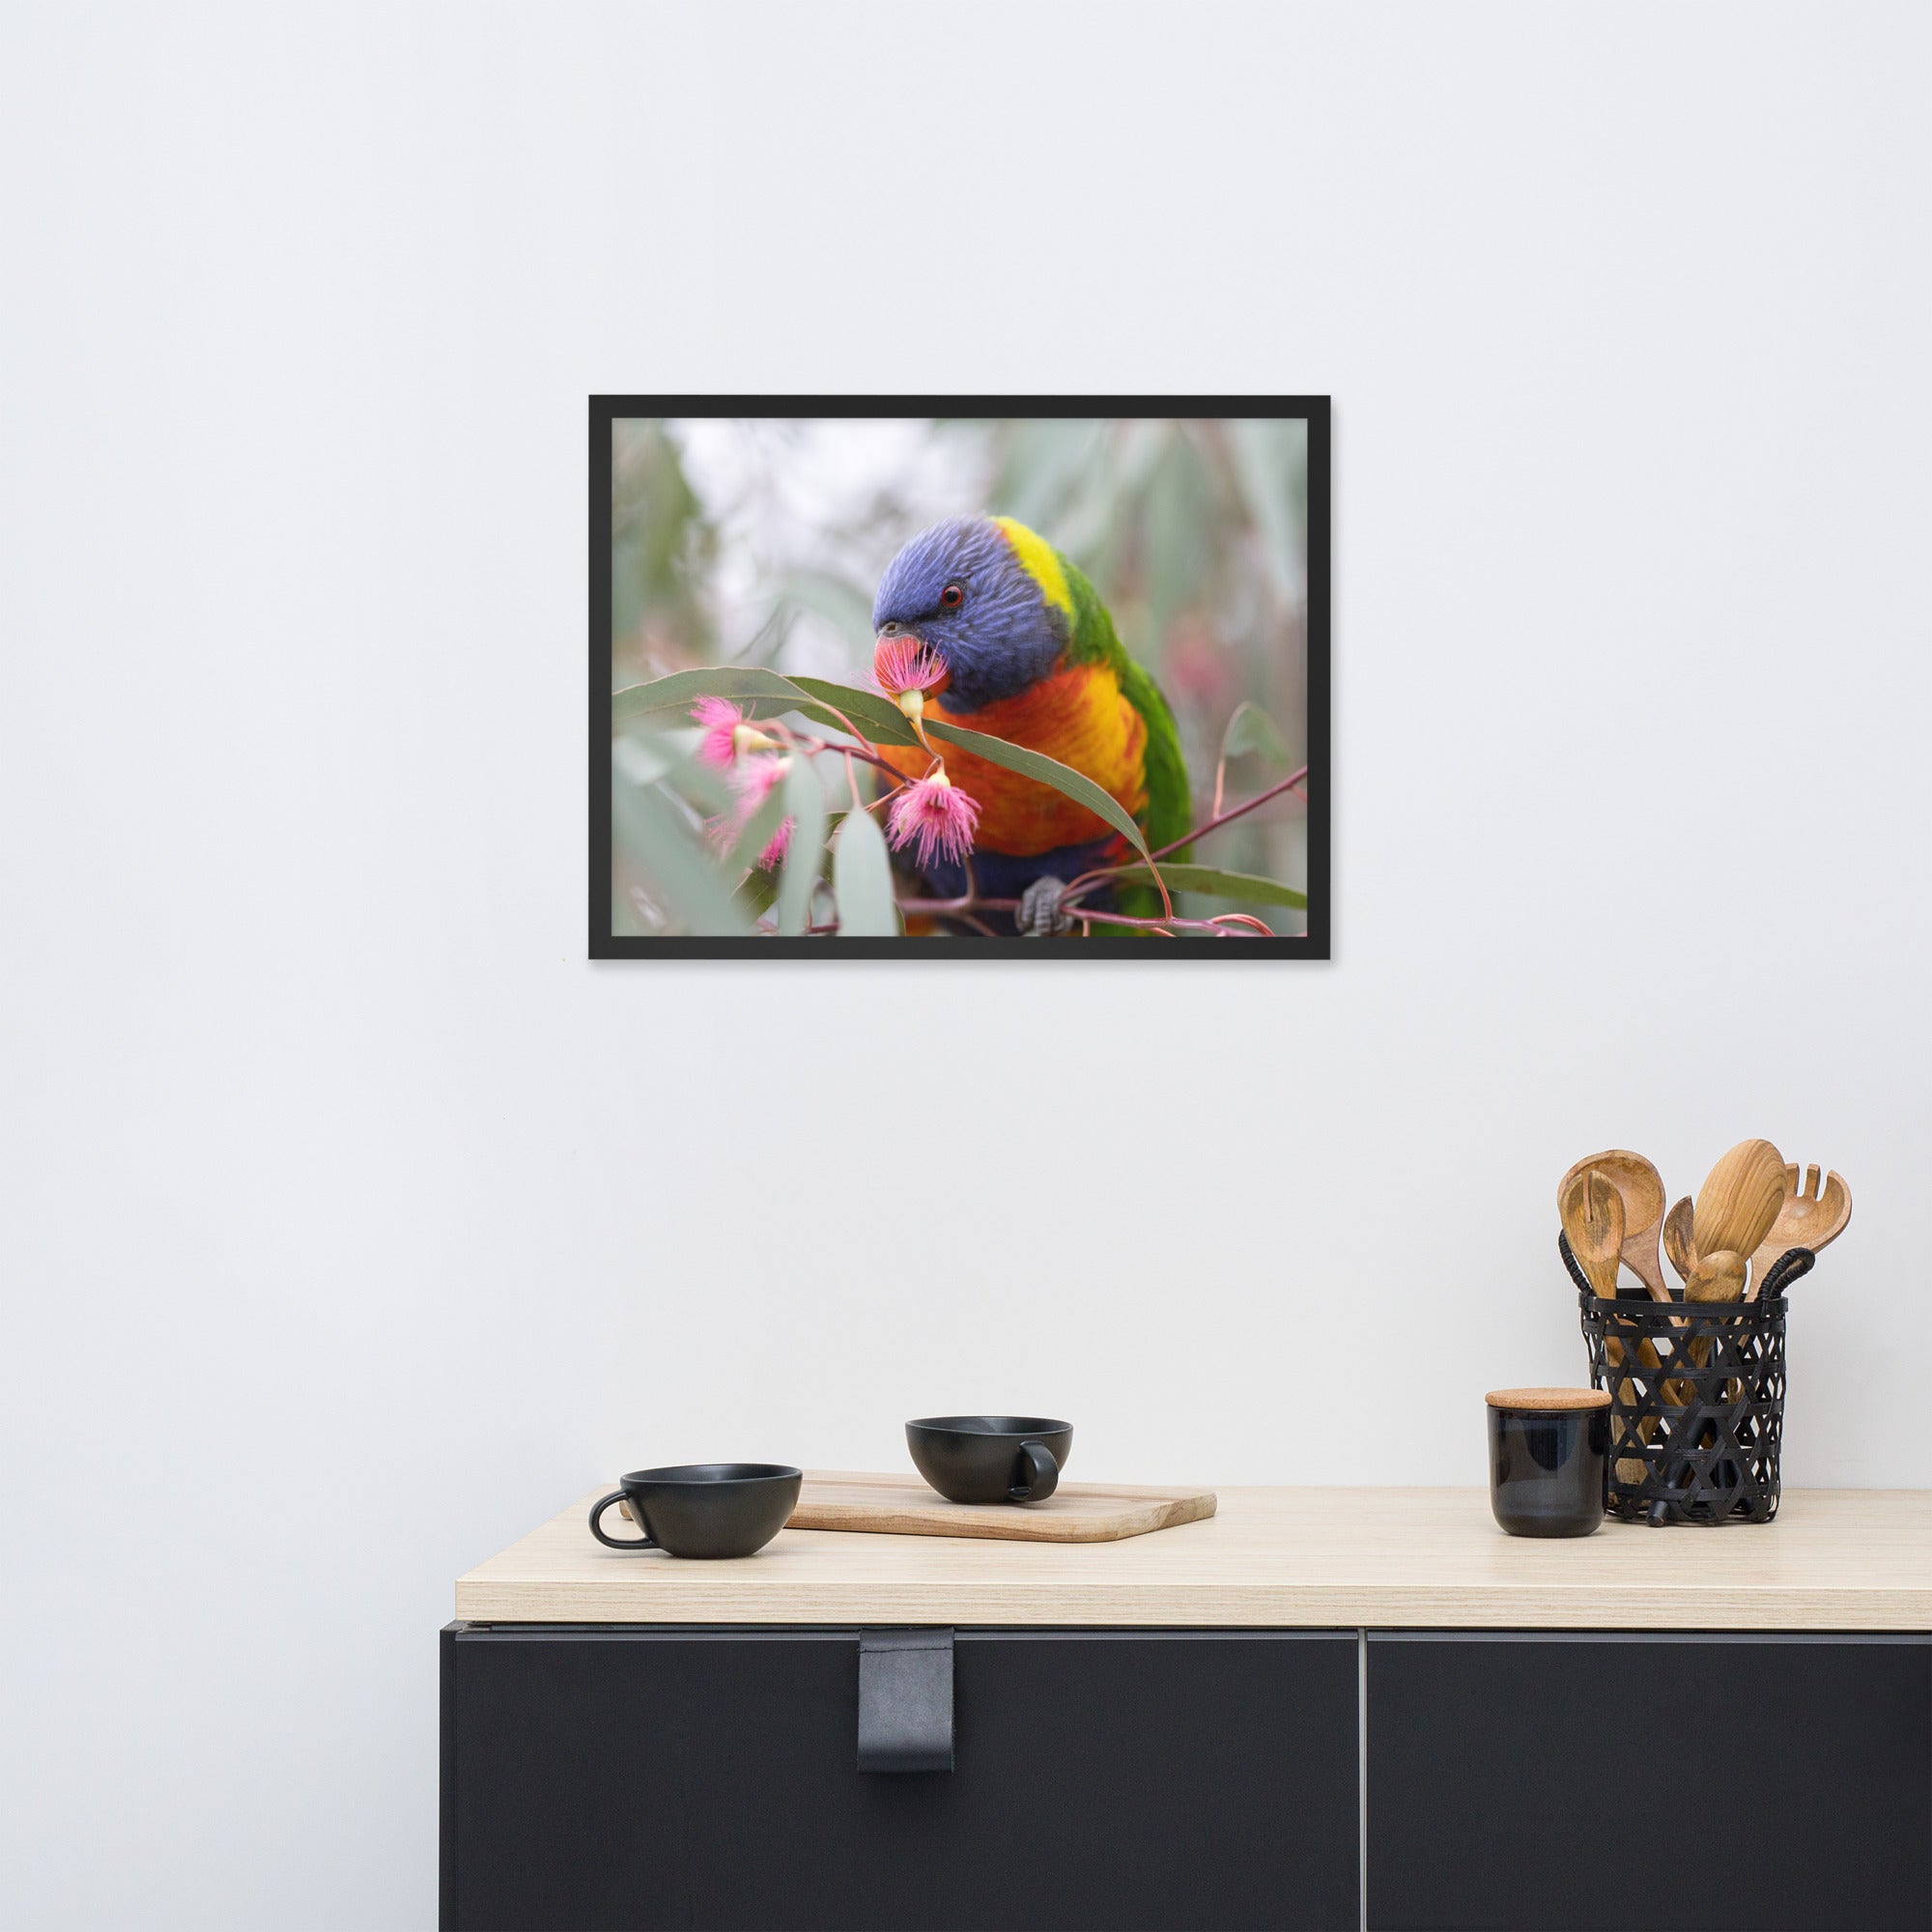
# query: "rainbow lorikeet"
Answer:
x=1030 y=655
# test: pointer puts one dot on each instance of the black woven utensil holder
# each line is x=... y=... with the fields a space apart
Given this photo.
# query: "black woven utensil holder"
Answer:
x=1696 y=1396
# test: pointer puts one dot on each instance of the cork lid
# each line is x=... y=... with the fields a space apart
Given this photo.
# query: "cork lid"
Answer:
x=1548 y=1400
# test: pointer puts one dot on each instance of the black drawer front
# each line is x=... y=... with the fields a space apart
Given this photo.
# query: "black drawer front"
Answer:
x=1686 y=1783
x=598 y=1779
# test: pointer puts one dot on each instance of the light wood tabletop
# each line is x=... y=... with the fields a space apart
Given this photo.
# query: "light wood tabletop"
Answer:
x=1383 y=1558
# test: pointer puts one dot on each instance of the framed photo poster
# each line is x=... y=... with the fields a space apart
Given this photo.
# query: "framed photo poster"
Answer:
x=935 y=676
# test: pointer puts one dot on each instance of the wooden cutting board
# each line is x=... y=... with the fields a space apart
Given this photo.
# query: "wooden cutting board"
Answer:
x=1075 y=1511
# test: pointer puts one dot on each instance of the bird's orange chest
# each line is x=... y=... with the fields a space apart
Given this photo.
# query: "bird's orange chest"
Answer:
x=1079 y=716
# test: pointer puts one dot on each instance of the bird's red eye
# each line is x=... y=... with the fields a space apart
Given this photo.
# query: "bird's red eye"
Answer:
x=951 y=597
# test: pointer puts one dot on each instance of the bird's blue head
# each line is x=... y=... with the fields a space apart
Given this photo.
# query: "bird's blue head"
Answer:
x=987 y=596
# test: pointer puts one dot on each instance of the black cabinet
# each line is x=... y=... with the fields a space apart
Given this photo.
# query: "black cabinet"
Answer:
x=1567 y=1782
x=603 y=1778
x=610 y=1777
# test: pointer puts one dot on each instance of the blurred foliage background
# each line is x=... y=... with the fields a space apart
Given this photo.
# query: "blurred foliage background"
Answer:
x=761 y=541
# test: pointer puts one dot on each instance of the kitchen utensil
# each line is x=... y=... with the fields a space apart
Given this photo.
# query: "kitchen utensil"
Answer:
x=1547 y=1451
x=1808 y=1217
x=1739 y=1200
x=1641 y=1187
x=990 y=1459
x=1593 y=1218
x=1679 y=1239
x=702 y=1509
x=902 y=1505
x=1717 y=1277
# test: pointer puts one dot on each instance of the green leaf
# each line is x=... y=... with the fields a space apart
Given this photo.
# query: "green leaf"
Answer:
x=803 y=801
x=1252 y=730
x=877 y=717
x=682 y=689
x=1048 y=771
x=862 y=877
x=1216 y=884
x=755 y=892
x=652 y=839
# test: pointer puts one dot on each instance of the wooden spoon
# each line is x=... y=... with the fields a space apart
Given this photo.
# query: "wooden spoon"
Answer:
x=1593 y=1218
x=1717 y=1277
x=1739 y=1201
x=1679 y=1243
x=1808 y=1217
x=1641 y=1187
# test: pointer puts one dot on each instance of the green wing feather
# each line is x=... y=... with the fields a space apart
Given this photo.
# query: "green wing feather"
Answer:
x=1092 y=639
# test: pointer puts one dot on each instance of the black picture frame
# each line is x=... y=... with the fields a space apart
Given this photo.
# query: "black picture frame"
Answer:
x=1315 y=944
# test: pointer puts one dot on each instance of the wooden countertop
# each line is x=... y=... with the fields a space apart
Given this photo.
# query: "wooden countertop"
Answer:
x=1834 y=1559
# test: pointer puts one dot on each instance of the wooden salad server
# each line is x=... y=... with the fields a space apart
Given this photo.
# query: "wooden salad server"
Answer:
x=1809 y=1216
x=1642 y=1189
x=1593 y=1218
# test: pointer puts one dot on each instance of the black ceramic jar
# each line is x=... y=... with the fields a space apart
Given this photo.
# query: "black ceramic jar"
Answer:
x=1548 y=1456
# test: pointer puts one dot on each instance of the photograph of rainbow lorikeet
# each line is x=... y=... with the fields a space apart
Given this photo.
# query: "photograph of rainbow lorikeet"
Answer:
x=998 y=632
x=957 y=679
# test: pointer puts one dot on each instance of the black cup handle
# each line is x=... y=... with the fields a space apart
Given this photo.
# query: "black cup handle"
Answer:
x=597 y=1510
x=1041 y=1474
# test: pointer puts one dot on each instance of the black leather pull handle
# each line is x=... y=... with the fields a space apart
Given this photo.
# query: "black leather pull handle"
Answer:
x=905 y=1700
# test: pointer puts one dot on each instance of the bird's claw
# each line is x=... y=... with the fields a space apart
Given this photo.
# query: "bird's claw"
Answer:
x=1040 y=916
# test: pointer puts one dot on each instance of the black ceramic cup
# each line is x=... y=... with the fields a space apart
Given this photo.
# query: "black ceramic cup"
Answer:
x=1548 y=1459
x=990 y=1459
x=702 y=1509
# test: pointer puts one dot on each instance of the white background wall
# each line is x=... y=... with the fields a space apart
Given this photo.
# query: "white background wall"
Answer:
x=353 y=1223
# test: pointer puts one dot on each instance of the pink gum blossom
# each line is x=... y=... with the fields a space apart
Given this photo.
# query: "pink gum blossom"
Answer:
x=904 y=664
x=720 y=718
x=935 y=817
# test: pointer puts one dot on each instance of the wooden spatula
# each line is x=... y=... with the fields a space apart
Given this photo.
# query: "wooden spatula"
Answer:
x=1739 y=1200
x=1679 y=1241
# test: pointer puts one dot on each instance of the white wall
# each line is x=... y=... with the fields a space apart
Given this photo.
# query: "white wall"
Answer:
x=353 y=1223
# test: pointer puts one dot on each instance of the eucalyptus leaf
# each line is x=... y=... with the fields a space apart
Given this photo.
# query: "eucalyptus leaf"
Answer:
x=874 y=714
x=1252 y=730
x=1048 y=771
x=878 y=717
x=862 y=878
x=743 y=684
x=1216 y=884
x=803 y=801
x=755 y=892
x=652 y=837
